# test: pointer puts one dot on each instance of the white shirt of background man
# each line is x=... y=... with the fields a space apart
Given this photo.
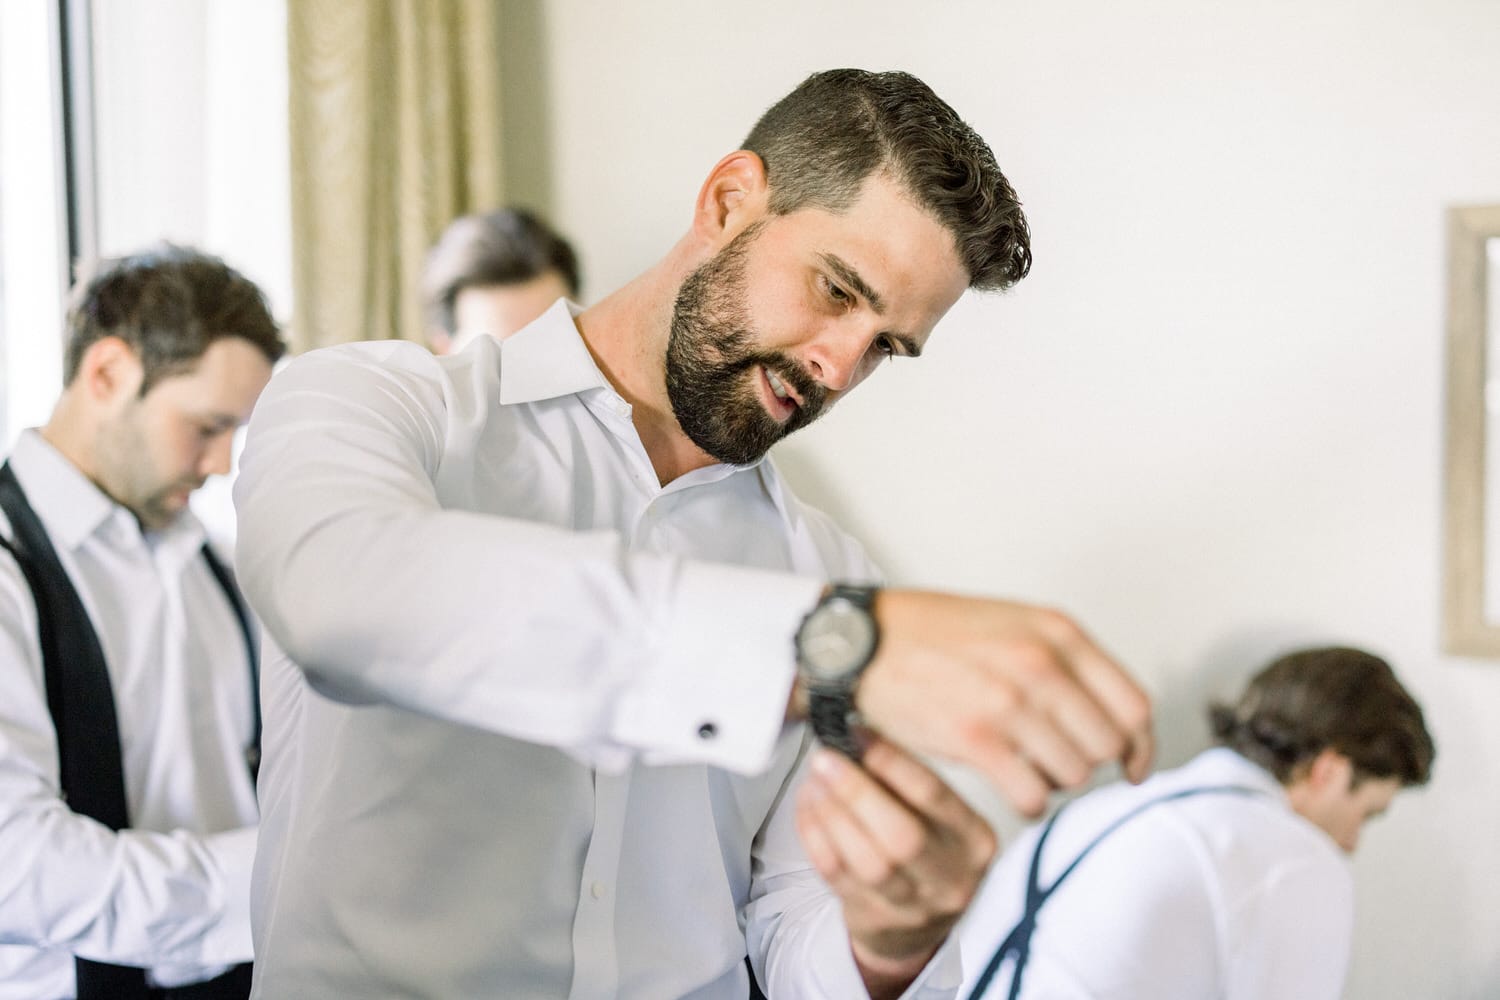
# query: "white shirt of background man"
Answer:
x=1230 y=897
x=171 y=893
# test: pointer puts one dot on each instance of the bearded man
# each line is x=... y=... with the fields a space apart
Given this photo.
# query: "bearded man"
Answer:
x=549 y=623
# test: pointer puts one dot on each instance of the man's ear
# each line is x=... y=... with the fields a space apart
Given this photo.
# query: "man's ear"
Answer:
x=1331 y=770
x=109 y=372
x=734 y=195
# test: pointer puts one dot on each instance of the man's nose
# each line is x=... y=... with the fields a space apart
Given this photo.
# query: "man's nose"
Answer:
x=836 y=357
x=219 y=455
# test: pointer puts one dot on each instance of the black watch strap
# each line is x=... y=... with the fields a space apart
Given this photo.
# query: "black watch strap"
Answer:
x=835 y=722
x=830 y=708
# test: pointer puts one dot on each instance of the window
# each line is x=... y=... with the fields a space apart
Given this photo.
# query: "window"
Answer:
x=176 y=116
x=33 y=217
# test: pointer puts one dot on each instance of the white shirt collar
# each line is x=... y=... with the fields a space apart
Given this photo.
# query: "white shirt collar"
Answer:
x=547 y=358
x=73 y=509
x=1221 y=765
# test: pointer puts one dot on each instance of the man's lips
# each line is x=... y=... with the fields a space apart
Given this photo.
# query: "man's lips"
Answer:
x=184 y=491
x=784 y=404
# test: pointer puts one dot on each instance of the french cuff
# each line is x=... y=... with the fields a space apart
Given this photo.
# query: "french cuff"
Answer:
x=721 y=668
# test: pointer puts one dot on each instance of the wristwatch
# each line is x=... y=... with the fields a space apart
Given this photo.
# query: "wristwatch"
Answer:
x=835 y=644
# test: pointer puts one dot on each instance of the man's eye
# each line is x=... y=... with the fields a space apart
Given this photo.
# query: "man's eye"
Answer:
x=837 y=294
x=886 y=347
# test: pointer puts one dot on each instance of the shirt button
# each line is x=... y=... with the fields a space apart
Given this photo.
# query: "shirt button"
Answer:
x=707 y=731
x=597 y=890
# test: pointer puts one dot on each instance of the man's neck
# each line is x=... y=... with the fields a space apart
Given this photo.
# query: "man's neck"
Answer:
x=67 y=433
x=627 y=335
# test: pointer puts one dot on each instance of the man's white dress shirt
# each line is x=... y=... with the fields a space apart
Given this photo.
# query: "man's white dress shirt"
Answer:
x=526 y=738
x=171 y=893
x=1211 y=897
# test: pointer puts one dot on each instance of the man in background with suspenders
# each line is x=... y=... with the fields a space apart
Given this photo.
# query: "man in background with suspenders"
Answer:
x=1224 y=879
x=129 y=718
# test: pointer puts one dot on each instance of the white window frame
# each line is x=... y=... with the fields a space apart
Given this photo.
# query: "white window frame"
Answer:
x=34 y=239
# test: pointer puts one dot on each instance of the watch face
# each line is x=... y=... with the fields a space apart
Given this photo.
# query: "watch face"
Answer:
x=837 y=638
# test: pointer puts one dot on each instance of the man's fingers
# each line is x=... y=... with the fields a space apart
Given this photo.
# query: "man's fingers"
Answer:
x=834 y=805
x=915 y=784
x=1080 y=718
x=1120 y=697
x=903 y=868
x=1020 y=692
x=815 y=840
x=1011 y=773
x=925 y=793
x=1049 y=750
x=876 y=833
x=1139 y=755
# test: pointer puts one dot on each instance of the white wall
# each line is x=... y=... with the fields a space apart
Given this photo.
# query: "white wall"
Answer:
x=1210 y=422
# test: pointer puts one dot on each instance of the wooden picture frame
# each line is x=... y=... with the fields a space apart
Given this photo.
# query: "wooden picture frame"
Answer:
x=1467 y=629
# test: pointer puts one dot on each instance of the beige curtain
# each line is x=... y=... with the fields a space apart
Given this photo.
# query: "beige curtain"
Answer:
x=395 y=129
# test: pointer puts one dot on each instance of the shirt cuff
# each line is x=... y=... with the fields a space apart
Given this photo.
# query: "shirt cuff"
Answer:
x=720 y=669
x=228 y=940
x=940 y=978
x=943 y=975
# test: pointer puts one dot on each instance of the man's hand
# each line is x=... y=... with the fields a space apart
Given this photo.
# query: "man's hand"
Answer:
x=903 y=853
x=1019 y=692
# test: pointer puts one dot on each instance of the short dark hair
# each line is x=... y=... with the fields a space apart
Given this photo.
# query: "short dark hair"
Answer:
x=169 y=303
x=504 y=247
x=821 y=141
x=1332 y=697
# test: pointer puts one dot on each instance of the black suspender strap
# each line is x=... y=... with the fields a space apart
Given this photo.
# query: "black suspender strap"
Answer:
x=1017 y=943
x=225 y=577
x=82 y=705
x=78 y=691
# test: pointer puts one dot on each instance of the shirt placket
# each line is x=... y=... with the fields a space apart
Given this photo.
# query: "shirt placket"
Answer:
x=596 y=969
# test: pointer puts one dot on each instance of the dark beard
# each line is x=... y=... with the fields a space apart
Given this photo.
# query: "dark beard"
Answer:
x=711 y=367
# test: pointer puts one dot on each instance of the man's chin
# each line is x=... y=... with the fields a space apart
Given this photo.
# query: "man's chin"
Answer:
x=733 y=452
x=163 y=512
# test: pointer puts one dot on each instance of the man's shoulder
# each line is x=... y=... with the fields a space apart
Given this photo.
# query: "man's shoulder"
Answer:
x=375 y=354
x=1197 y=815
x=1242 y=830
x=386 y=375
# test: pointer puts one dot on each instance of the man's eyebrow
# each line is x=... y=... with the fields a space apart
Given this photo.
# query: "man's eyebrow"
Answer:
x=851 y=277
x=214 y=418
